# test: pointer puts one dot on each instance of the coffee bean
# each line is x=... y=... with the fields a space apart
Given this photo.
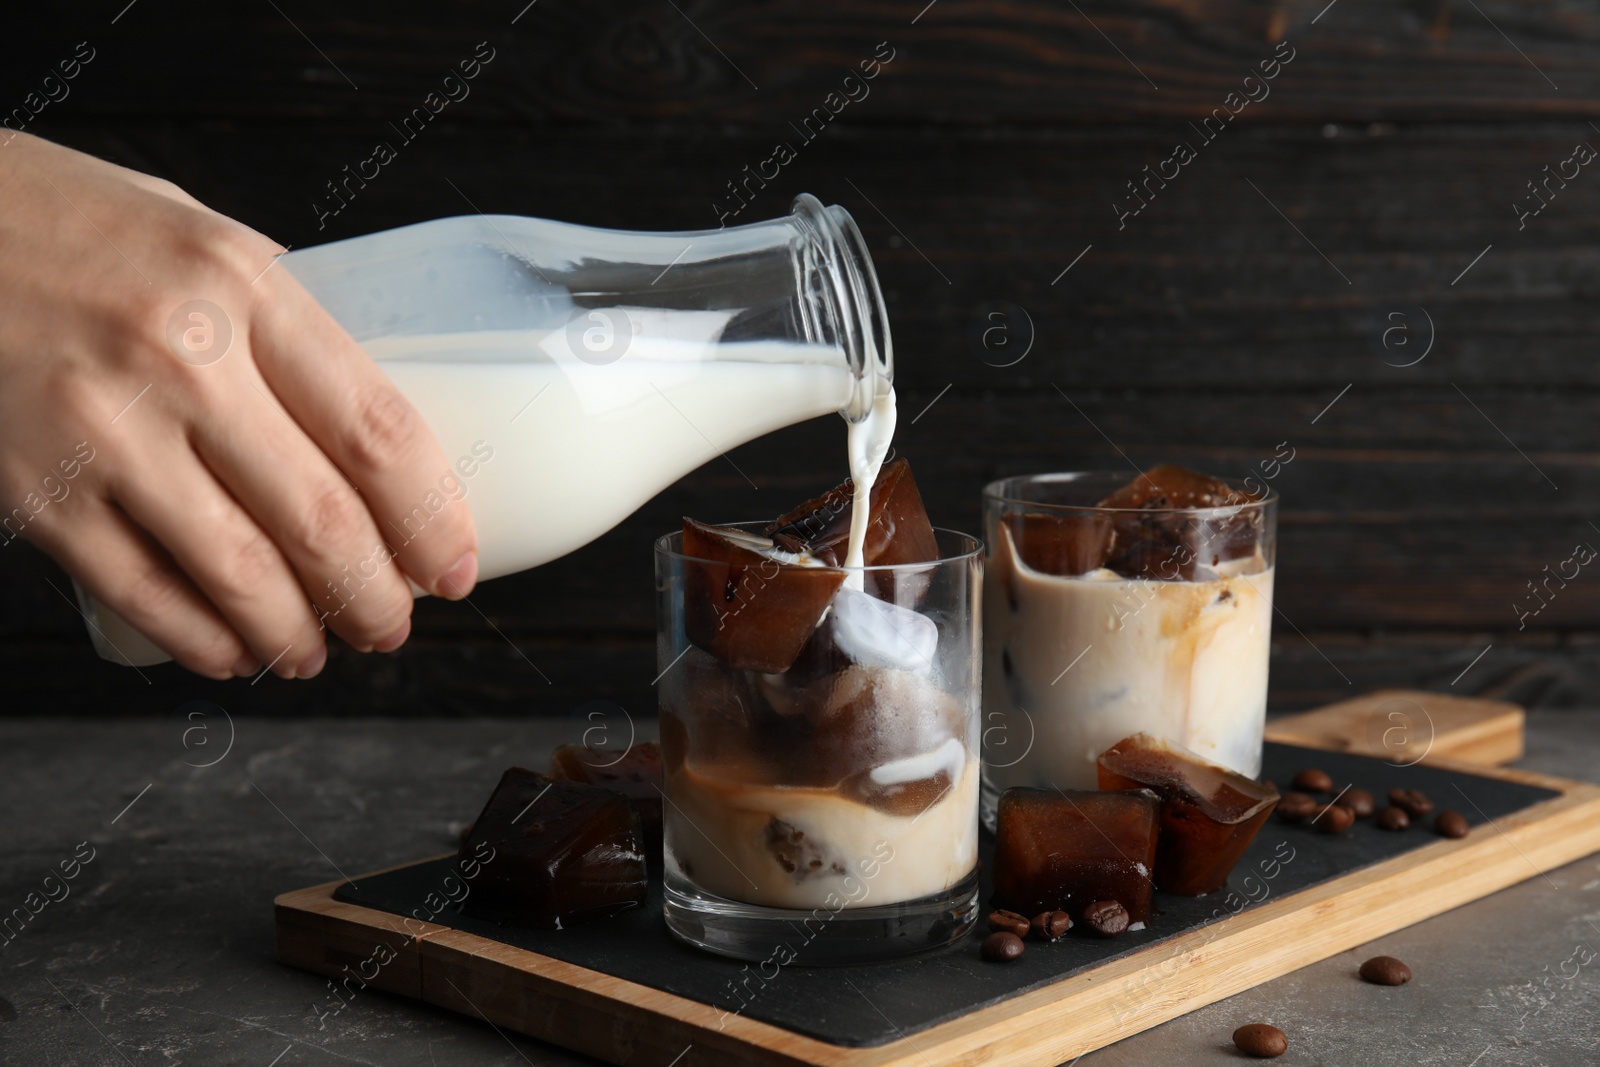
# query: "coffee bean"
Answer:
x=1385 y=970
x=1105 y=918
x=1335 y=820
x=1359 y=801
x=1451 y=824
x=1261 y=1041
x=1392 y=819
x=1002 y=946
x=1312 y=780
x=1009 y=922
x=1296 y=807
x=1050 y=925
x=1411 y=802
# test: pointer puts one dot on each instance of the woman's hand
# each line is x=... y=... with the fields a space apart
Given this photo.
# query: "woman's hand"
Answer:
x=225 y=475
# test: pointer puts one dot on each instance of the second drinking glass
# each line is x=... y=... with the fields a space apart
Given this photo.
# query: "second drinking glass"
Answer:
x=1101 y=622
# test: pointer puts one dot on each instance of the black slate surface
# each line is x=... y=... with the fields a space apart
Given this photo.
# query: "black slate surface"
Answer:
x=877 y=1003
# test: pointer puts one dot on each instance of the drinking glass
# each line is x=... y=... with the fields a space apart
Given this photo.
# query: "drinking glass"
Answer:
x=1104 y=622
x=824 y=809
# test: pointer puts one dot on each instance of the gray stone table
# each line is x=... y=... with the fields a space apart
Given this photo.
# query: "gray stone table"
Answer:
x=161 y=951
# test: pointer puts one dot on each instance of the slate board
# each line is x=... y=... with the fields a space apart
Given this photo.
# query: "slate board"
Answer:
x=873 y=1004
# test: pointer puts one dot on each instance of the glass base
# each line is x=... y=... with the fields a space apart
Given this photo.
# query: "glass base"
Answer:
x=850 y=935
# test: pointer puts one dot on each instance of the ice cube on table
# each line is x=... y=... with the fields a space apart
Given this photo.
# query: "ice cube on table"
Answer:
x=1064 y=849
x=554 y=852
x=634 y=772
x=876 y=633
x=1209 y=814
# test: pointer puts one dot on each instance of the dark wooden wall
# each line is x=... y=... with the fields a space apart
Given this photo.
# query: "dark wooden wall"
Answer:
x=1250 y=294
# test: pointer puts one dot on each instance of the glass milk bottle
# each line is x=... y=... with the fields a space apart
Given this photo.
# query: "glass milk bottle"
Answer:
x=572 y=373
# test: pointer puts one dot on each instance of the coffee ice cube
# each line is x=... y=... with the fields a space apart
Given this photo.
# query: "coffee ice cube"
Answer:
x=1151 y=542
x=553 y=853
x=864 y=718
x=1064 y=849
x=911 y=785
x=1168 y=485
x=714 y=711
x=1209 y=814
x=898 y=530
x=1064 y=544
x=745 y=606
x=635 y=773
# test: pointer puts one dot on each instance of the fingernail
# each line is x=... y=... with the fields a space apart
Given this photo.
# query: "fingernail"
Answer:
x=311 y=667
x=394 y=640
x=245 y=666
x=458 y=581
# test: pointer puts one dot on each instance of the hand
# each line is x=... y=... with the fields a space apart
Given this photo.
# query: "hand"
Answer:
x=226 y=503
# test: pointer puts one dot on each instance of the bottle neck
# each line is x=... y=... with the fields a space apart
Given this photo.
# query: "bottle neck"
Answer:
x=841 y=302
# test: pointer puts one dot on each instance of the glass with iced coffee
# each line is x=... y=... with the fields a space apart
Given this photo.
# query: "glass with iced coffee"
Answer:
x=819 y=731
x=1114 y=606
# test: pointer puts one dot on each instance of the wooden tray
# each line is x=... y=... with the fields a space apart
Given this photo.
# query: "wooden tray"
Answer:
x=626 y=1022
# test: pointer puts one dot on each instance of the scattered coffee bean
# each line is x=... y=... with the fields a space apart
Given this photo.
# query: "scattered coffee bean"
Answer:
x=1312 y=780
x=1359 y=801
x=1385 y=970
x=1008 y=922
x=1392 y=819
x=1050 y=925
x=1335 y=820
x=1261 y=1041
x=1297 y=807
x=1411 y=802
x=1105 y=918
x=1002 y=946
x=1451 y=824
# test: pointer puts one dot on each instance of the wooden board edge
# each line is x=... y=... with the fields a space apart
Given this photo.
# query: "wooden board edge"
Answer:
x=369 y=948
x=1030 y=1030
x=577 y=1008
x=1488 y=732
x=1263 y=943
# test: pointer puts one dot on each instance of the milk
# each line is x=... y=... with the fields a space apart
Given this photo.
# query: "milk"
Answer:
x=578 y=447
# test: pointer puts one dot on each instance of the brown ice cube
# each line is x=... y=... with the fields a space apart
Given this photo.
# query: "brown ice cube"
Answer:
x=1065 y=849
x=1151 y=542
x=713 y=711
x=1064 y=544
x=552 y=853
x=1168 y=485
x=800 y=856
x=635 y=773
x=865 y=718
x=1209 y=814
x=911 y=785
x=745 y=607
x=898 y=530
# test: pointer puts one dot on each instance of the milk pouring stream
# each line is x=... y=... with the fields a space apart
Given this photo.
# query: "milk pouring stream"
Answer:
x=571 y=373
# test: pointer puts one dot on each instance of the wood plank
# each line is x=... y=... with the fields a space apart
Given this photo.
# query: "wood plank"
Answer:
x=1030 y=61
x=1407 y=726
x=630 y=1024
x=1207 y=292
